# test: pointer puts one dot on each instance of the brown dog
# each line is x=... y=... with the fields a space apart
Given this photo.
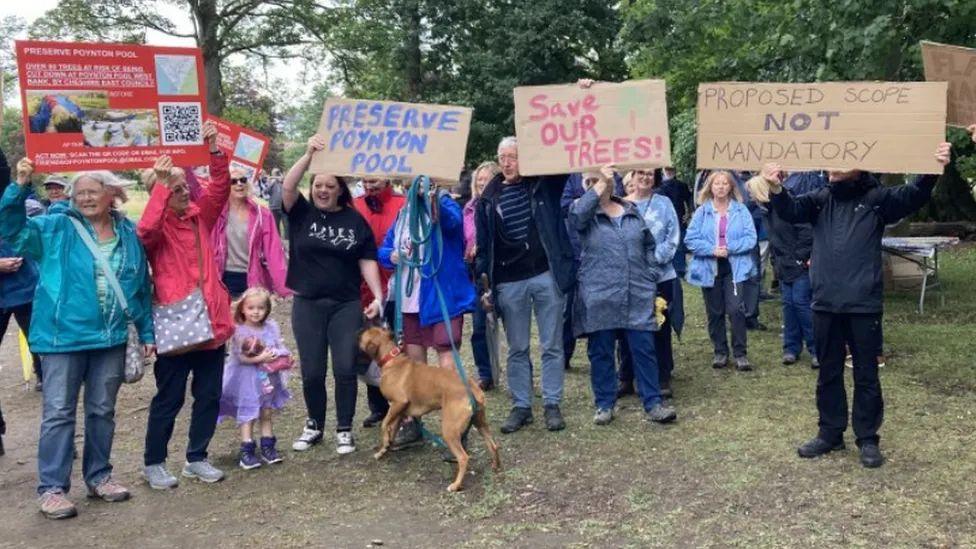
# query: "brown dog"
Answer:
x=415 y=389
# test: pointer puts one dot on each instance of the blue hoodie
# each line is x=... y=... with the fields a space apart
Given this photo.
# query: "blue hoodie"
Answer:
x=452 y=274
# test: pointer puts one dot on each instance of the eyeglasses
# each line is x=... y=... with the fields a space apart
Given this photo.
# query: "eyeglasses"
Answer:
x=238 y=181
x=508 y=157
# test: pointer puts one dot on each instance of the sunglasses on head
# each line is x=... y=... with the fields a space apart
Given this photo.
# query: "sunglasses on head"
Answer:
x=238 y=181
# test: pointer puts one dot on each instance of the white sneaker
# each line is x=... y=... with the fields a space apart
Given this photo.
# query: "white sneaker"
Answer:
x=311 y=436
x=345 y=443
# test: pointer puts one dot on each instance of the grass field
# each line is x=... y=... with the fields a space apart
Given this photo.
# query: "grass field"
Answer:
x=726 y=474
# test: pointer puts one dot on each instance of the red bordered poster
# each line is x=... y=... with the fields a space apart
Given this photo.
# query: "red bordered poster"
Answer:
x=111 y=106
x=246 y=148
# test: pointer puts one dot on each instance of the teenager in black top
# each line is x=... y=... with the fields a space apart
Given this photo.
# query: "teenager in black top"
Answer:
x=332 y=249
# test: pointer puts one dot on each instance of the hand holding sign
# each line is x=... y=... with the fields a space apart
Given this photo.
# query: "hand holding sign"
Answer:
x=943 y=154
x=25 y=168
x=210 y=135
x=315 y=143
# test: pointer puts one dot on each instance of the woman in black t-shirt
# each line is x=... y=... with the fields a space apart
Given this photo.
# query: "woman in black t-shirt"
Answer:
x=332 y=249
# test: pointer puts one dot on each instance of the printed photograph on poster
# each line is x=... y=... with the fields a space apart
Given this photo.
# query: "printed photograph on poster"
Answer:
x=111 y=106
x=87 y=113
x=246 y=148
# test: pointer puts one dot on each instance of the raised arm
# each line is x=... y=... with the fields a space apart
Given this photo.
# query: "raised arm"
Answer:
x=22 y=234
x=215 y=196
x=905 y=200
x=150 y=226
x=289 y=187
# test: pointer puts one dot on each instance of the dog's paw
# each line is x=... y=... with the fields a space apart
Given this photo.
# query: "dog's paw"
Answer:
x=379 y=454
x=454 y=487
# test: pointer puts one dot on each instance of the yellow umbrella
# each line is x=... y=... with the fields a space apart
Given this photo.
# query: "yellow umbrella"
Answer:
x=26 y=362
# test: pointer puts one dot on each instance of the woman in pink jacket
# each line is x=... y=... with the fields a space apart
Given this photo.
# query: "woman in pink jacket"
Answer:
x=247 y=248
x=479 y=339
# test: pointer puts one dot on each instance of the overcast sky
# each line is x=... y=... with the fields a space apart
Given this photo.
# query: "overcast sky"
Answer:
x=30 y=10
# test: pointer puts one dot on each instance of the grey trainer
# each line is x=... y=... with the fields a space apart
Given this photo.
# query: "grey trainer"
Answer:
x=159 y=478
x=603 y=416
x=202 y=470
x=662 y=413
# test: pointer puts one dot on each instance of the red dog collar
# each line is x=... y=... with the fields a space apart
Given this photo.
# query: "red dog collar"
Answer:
x=394 y=352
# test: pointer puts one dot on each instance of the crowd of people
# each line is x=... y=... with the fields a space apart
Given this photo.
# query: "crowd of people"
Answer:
x=598 y=255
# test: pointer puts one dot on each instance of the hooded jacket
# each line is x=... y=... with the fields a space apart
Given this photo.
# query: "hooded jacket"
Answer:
x=702 y=238
x=848 y=220
x=617 y=280
x=67 y=316
x=451 y=273
x=266 y=264
x=791 y=245
x=172 y=249
x=545 y=193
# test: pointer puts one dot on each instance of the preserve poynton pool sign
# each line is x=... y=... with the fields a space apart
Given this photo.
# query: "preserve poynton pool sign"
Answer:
x=366 y=138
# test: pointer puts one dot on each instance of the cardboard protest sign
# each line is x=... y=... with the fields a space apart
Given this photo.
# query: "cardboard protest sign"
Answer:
x=957 y=66
x=245 y=148
x=111 y=106
x=891 y=127
x=366 y=138
x=567 y=129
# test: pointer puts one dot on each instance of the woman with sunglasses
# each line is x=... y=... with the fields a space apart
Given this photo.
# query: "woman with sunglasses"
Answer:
x=246 y=244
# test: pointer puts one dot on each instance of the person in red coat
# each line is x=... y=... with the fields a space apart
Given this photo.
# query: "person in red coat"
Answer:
x=380 y=206
x=175 y=231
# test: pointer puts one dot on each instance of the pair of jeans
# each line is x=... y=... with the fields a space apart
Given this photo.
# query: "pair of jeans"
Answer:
x=663 y=344
x=321 y=325
x=516 y=301
x=625 y=362
x=724 y=299
x=22 y=314
x=600 y=347
x=797 y=315
x=101 y=372
x=172 y=372
x=374 y=396
x=834 y=334
x=479 y=343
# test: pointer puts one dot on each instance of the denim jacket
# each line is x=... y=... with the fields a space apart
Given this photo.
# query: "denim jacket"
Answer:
x=702 y=238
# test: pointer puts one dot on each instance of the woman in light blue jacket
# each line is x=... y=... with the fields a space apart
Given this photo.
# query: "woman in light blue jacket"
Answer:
x=660 y=217
x=721 y=237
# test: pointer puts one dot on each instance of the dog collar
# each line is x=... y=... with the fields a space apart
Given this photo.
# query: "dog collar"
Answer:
x=394 y=352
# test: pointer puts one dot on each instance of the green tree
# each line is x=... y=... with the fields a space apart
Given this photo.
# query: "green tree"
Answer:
x=688 y=42
x=221 y=28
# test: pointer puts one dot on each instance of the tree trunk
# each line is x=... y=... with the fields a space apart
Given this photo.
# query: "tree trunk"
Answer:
x=412 y=70
x=207 y=24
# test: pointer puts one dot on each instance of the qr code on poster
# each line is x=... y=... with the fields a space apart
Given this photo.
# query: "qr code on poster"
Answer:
x=180 y=123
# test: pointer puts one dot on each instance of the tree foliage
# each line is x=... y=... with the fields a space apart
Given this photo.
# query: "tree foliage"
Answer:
x=688 y=42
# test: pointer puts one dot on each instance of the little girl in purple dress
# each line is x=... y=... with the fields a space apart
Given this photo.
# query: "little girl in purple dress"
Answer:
x=255 y=376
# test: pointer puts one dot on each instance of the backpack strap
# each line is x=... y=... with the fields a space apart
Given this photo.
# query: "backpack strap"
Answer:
x=102 y=263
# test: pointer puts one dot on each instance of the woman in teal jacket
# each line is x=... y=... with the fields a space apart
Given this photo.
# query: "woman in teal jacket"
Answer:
x=721 y=237
x=79 y=327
